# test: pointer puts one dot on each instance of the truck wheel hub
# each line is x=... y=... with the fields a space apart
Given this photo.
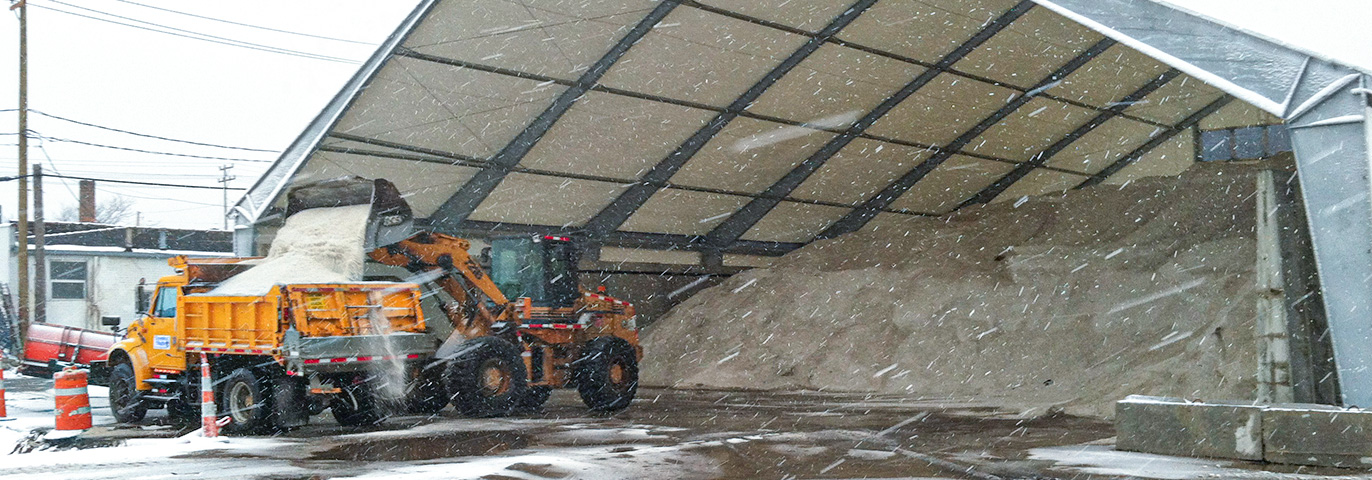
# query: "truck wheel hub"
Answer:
x=494 y=380
x=240 y=402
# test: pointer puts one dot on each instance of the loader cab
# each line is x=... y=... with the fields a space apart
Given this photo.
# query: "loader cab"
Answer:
x=541 y=267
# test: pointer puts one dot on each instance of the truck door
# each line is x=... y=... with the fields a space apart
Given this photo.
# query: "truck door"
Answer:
x=164 y=333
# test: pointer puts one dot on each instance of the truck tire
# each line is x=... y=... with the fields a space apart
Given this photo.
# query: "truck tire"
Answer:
x=356 y=405
x=426 y=394
x=607 y=374
x=488 y=378
x=245 y=398
x=124 y=401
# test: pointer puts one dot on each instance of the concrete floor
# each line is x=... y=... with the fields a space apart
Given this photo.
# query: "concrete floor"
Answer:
x=665 y=434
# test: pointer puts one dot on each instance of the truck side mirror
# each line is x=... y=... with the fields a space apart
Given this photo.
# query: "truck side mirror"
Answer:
x=112 y=322
x=140 y=297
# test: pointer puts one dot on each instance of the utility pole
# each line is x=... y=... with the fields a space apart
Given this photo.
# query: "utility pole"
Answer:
x=23 y=169
x=224 y=178
x=40 y=262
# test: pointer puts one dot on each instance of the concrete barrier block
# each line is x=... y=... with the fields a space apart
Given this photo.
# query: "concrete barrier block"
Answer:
x=1172 y=426
x=1319 y=435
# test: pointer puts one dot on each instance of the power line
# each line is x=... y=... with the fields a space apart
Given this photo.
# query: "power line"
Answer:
x=112 y=129
x=321 y=37
x=129 y=182
x=201 y=37
x=154 y=152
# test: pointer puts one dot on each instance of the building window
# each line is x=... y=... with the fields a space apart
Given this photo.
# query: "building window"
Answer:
x=68 y=280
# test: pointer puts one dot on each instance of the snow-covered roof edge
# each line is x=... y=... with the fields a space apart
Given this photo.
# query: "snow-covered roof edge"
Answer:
x=1255 y=68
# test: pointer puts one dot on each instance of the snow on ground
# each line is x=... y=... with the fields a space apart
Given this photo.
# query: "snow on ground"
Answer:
x=617 y=462
x=1104 y=460
x=28 y=411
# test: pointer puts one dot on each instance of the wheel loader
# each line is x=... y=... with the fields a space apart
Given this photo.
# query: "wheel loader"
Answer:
x=365 y=350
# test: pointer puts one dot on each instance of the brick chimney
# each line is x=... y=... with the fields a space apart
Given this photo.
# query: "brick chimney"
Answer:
x=86 y=211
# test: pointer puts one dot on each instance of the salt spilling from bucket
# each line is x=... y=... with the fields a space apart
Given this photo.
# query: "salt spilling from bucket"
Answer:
x=319 y=245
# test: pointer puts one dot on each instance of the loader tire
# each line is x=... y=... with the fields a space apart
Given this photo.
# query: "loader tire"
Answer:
x=534 y=400
x=245 y=397
x=356 y=405
x=426 y=394
x=607 y=374
x=488 y=378
x=124 y=401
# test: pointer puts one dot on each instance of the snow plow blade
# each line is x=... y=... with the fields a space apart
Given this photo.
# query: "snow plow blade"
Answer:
x=390 y=221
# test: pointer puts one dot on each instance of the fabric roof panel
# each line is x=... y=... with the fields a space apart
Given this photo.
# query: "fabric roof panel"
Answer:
x=446 y=108
x=859 y=171
x=701 y=57
x=808 y=15
x=614 y=136
x=1029 y=49
x=834 y=86
x=1102 y=146
x=1110 y=77
x=558 y=38
x=544 y=200
x=957 y=179
x=933 y=31
x=424 y=185
x=1040 y=182
x=1175 y=101
x=794 y=222
x=894 y=222
x=749 y=155
x=1031 y=129
x=1170 y=158
x=1238 y=114
x=942 y=110
x=683 y=212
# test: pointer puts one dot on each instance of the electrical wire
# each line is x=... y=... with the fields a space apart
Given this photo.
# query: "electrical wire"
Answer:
x=201 y=37
x=126 y=182
x=321 y=37
x=112 y=129
x=154 y=152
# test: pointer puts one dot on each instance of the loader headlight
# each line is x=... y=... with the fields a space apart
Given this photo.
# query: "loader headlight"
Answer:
x=631 y=323
x=392 y=220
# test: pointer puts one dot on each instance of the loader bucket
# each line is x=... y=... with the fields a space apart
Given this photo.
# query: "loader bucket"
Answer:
x=390 y=221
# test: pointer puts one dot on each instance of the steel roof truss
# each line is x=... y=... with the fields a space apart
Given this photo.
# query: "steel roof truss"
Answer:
x=1002 y=184
x=461 y=204
x=623 y=207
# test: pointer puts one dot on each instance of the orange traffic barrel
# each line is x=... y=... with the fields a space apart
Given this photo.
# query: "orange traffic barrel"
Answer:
x=2 y=386
x=73 y=403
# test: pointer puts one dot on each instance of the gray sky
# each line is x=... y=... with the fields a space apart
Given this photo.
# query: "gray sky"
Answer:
x=130 y=78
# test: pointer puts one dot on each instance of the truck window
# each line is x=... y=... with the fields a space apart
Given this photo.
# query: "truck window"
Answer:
x=166 y=303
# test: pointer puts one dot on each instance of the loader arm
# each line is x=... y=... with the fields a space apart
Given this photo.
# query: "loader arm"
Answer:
x=460 y=276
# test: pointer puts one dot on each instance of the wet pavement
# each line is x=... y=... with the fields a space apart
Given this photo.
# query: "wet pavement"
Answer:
x=664 y=434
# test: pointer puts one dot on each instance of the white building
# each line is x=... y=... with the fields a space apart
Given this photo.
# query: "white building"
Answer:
x=94 y=270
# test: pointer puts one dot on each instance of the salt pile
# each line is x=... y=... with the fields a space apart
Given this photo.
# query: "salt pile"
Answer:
x=318 y=245
x=1073 y=301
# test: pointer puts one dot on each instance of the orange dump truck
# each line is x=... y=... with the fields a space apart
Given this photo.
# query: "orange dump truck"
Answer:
x=277 y=357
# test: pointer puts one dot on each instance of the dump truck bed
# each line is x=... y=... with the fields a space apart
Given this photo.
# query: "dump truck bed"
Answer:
x=315 y=326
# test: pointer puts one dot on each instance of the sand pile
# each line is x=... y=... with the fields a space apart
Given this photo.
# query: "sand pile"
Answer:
x=1074 y=300
x=319 y=245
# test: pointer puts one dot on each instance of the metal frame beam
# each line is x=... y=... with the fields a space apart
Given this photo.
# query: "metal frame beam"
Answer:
x=659 y=241
x=461 y=204
x=1003 y=183
x=741 y=221
x=403 y=52
x=1138 y=153
x=855 y=219
x=618 y=211
x=439 y=157
x=900 y=58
